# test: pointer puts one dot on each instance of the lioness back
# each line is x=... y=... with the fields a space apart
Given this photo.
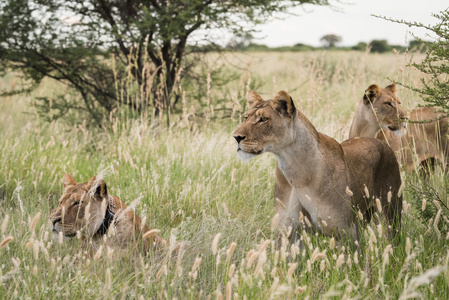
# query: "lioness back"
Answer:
x=320 y=182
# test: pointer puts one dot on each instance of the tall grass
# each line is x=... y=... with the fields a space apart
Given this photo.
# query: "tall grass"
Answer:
x=195 y=189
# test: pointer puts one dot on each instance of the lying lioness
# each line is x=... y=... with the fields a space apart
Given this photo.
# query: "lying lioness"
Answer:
x=88 y=209
x=380 y=114
x=317 y=178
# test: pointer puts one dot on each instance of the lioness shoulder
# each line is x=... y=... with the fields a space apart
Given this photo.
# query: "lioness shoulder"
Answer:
x=317 y=178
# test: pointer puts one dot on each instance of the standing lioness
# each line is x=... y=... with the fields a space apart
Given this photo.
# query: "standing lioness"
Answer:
x=380 y=114
x=319 y=178
x=88 y=208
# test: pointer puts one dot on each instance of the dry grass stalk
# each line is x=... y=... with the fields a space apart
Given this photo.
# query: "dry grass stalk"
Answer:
x=215 y=243
x=6 y=241
x=162 y=270
x=365 y=190
x=150 y=233
x=98 y=253
x=291 y=270
x=379 y=205
x=229 y=290
x=349 y=192
x=230 y=250
x=5 y=224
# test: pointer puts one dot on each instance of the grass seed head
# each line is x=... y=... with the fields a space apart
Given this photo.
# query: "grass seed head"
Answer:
x=229 y=290
x=98 y=253
x=365 y=189
x=162 y=270
x=332 y=244
x=151 y=233
x=340 y=260
x=349 y=192
x=437 y=218
x=36 y=251
x=291 y=270
x=379 y=230
x=5 y=224
x=379 y=205
x=6 y=241
x=60 y=237
x=437 y=204
x=34 y=221
x=408 y=246
x=230 y=250
x=275 y=222
x=300 y=289
x=108 y=278
x=196 y=264
x=215 y=243
x=322 y=265
x=231 y=270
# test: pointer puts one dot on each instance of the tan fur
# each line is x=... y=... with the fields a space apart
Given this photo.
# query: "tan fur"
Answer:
x=314 y=171
x=419 y=143
x=82 y=208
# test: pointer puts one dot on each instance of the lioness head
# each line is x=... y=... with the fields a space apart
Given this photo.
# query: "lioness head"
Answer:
x=383 y=107
x=268 y=123
x=82 y=207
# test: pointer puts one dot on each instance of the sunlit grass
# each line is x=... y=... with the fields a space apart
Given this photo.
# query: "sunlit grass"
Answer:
x=195 y=189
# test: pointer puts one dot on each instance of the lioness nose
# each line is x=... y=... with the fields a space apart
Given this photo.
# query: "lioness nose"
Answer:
x=239 y=138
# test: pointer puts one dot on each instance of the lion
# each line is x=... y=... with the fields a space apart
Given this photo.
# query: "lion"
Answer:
x=87 y=209
x=380 y=115
x=319 y=181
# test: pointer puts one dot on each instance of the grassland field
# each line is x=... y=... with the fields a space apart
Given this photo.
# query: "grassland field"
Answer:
x=188 y=182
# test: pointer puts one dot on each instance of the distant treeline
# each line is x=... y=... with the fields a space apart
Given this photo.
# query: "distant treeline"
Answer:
x=375 y=46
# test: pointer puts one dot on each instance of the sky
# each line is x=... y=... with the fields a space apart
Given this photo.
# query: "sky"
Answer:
x=352 y=21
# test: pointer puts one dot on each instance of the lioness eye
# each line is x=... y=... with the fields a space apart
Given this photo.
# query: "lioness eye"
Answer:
x=262 y=120
x=389 y=104
x=76 y=203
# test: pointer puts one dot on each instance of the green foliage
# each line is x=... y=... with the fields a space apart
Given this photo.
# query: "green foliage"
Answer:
x=415 y=45
x=117 y=54
x=435 y=90
x=379 y=46
x=361 y=46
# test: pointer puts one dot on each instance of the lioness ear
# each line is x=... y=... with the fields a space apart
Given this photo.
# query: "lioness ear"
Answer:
x=253 y=98
x=68 y=180
x=101 y=190
x=371 y=92
x=391 y=88
x=283 y=103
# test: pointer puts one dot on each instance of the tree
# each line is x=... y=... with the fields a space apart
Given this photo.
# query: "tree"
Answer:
x=117 y=53
x=415 y=45
x=361 y=46
x=330 y=40
x=379 y=46
x=435 y=91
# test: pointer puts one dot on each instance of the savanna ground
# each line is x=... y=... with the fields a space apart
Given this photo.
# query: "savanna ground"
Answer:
x=188 y=182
